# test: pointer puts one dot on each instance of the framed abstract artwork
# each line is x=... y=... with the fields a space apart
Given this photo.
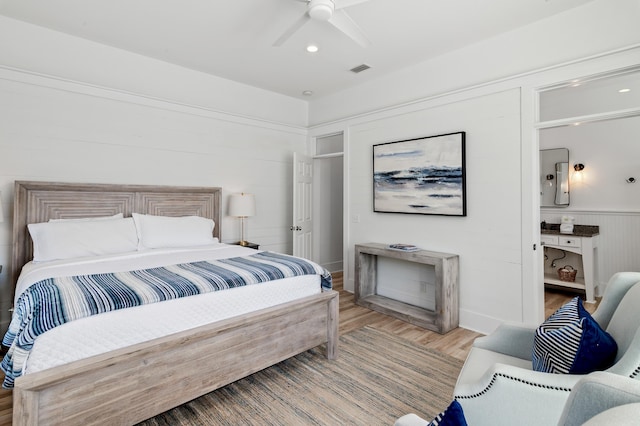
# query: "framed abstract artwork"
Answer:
x=421 y=176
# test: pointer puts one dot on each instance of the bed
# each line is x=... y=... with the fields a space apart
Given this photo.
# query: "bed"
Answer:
x=127 y=384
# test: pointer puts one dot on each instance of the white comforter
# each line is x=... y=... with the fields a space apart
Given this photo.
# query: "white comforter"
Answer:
x=112 y=330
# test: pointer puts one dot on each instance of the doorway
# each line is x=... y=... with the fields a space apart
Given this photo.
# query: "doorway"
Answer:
x=328 y=204
x=595 y=119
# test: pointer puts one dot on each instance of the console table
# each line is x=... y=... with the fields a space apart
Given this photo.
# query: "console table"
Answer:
x=445 y=316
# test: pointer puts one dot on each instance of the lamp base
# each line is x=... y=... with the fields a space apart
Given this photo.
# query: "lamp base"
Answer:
x=248 y=244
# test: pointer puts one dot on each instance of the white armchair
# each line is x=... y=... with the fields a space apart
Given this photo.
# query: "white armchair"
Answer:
x=497 y=385
x=599 y=398
x=602 y=398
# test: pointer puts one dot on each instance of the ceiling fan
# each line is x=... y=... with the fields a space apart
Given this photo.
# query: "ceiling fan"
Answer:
x=333 y=12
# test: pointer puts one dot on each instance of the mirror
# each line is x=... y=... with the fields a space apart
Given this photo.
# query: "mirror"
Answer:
x=554 y=177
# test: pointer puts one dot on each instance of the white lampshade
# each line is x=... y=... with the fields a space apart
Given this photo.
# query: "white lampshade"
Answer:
x=242 y=205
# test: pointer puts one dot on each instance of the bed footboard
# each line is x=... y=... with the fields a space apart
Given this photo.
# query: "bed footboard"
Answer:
x=135 y=383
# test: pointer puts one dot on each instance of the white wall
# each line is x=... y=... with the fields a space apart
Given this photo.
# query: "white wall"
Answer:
x=598 y=26
x=610 y=153
x=36 y=49
x=59 y=128
x=89 y=116
x=328 y=201
x=500 y=271
x=488 y=243
x=328 y=212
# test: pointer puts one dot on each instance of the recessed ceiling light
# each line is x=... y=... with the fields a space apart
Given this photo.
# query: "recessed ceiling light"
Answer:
x=624 y=90
x=312 y=48
x=307 y=93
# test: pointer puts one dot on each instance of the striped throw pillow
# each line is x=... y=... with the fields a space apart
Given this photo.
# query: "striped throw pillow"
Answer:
x=571 y=342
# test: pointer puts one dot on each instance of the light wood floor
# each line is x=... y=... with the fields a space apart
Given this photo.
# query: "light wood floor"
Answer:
x=456 y=343
x=6 y=405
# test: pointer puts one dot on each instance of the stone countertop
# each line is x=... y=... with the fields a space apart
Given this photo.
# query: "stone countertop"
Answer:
x=578 y=230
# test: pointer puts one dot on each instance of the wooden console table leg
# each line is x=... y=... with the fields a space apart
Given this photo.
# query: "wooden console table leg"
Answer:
x=445 y=316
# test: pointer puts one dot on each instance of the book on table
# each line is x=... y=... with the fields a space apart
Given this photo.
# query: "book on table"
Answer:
x=404 y=247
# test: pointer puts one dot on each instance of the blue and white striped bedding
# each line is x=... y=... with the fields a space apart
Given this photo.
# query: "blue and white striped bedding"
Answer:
x=71 y=298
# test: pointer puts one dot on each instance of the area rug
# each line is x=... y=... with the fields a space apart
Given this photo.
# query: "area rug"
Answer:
x=377 y=378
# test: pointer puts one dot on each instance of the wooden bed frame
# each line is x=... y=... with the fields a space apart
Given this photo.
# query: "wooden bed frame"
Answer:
x=132 y=384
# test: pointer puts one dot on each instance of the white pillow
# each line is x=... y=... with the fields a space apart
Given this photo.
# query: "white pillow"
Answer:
x=165 y=231
x=67 y=240
x=89 y=219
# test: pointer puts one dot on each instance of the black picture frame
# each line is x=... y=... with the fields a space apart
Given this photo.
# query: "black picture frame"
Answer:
x=421 y=176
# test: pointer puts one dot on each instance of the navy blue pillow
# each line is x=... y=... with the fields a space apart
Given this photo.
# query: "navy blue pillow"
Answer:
x=452 y=416
x=571 y=341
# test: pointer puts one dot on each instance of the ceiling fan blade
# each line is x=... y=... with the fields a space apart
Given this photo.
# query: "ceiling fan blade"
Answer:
x=292 y=29
x=341 y=4
x=344 y=23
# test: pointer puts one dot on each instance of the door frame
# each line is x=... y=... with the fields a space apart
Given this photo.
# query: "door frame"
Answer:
x=312 y=150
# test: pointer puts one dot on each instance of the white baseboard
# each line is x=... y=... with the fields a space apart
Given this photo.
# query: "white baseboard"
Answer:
x=478 y=322
x=333 y=266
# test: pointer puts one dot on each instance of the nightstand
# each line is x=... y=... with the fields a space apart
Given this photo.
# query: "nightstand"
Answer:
x=248 y=245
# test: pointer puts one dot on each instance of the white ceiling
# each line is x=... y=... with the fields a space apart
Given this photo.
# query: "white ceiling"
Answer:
x=234 y=39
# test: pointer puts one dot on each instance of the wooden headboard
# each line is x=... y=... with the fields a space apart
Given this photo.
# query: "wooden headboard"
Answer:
x=40 y=201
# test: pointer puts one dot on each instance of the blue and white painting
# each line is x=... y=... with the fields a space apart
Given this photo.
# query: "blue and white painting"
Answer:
x=424 y=176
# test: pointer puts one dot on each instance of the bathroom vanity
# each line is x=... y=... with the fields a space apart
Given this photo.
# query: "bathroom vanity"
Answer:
x=584 y=243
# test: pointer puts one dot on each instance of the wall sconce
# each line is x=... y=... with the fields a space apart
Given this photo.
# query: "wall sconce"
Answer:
x=578 y=174
x=549 y=181
x=242 y=205
x=629 y=180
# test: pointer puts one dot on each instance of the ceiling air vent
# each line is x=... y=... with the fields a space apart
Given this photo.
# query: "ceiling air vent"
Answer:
x=359 y=68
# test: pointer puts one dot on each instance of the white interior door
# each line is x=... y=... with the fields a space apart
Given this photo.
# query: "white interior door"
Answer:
x=302 y=227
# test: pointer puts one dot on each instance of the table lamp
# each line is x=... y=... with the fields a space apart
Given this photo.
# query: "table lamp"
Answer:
x=242 y=205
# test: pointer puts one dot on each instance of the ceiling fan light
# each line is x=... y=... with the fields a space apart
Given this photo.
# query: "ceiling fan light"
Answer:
x=321 y=10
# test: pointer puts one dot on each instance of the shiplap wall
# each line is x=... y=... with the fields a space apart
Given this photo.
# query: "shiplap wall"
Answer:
x=56 y=134
x=79 y=111
x=497 y=280
x=489 y=244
